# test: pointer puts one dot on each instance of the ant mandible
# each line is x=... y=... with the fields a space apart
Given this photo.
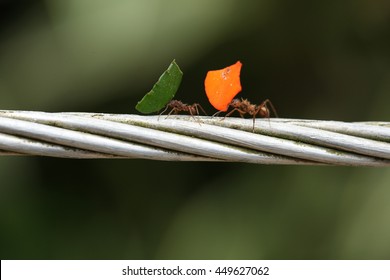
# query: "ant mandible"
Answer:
x=177 y=106
x=243 y=107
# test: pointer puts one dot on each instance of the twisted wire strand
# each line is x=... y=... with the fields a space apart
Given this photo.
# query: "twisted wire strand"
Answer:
x=189 y=138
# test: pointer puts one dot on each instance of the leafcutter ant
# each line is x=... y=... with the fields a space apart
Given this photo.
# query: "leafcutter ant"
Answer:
x=176 y=106
x=243 y=107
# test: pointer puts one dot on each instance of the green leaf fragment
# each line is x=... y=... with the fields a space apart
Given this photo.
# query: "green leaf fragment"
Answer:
x=163 y=91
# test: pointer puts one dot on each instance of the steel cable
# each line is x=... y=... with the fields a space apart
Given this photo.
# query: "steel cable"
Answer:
x=194 y=138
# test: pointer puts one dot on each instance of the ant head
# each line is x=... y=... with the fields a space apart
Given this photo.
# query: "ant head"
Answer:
x=235 y=102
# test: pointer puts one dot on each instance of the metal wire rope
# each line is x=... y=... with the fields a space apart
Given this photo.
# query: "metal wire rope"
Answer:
x=188 y=138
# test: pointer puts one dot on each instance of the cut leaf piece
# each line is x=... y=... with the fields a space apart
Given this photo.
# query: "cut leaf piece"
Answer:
x=223 y=85
x=163 y=90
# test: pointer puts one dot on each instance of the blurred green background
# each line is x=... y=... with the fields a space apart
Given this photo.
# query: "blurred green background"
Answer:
x=314 y=59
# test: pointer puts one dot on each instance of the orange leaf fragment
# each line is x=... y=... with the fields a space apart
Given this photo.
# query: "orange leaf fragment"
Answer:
x=223 y=85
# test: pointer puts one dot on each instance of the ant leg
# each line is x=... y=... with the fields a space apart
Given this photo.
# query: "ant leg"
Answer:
x=166 y=108
x=217 y=113
x=174 y=110
x=195 y=105
x=192 y=114
x=241 y=112
x=231 y=112
x=198 y=105
x=196 y=109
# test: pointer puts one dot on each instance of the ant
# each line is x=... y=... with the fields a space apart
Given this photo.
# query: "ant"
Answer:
x=177 y=106
x=243 y=107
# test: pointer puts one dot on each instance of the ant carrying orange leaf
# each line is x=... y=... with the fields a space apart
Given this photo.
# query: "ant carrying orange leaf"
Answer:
x=223 y=85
